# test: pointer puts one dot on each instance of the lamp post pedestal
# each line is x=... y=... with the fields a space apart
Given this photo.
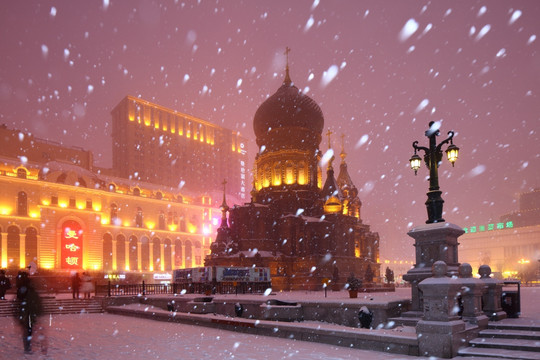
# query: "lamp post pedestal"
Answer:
x=434 y=206
x=433 y=242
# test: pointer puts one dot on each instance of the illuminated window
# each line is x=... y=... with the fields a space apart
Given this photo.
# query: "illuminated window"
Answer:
x=21 y=173
x=22 y=204
x=277 y=174
x=289 y=173
x=302 y=173
x=267 y=176
x=161 y=222
x=139 y=218
x=133 y=253
x=114 y=212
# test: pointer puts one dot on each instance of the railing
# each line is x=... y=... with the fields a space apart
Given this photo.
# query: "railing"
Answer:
x=143 y=289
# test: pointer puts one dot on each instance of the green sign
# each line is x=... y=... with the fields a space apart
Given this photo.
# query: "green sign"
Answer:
x=489 y=227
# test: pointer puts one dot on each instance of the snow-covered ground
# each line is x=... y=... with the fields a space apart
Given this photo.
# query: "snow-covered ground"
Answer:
x=105 y=336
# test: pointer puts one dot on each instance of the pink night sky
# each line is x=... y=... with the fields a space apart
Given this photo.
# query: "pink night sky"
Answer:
x=380 y=71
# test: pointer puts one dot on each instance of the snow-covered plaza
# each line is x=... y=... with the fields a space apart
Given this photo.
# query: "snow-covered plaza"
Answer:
x=107 y=336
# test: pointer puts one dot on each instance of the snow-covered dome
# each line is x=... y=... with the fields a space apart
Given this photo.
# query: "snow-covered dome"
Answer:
x=288 y=108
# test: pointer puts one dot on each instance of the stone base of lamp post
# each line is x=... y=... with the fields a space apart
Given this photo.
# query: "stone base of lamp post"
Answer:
x=433 y=242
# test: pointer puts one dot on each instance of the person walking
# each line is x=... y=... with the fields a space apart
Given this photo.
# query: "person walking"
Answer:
x=5 y=284
x=87 y=287
x=75 y=285
x=30 y=308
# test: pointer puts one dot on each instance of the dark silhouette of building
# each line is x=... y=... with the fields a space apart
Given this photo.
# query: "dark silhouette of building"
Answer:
x=304 y=231
x=529 y=210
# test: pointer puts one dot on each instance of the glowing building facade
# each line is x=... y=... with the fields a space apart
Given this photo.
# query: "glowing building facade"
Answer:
x=161 y=146
x=303 y=230
x=64 y=217
x=512 y=245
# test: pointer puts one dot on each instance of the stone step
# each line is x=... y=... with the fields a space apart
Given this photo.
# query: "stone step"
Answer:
x=404 y=321
x=513 y=326
x=510 y=334
x=475 y=352
x=507 y=344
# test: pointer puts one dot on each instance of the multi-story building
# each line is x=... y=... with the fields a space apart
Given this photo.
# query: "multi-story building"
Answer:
x=28 y=148
x=161 y=146
x=512 y=245
x=64 y=217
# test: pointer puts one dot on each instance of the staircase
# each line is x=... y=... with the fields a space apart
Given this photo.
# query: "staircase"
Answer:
x=55 y=306
x=504 y=340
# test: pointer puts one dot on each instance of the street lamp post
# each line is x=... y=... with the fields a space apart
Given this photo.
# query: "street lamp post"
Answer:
x=432 y=158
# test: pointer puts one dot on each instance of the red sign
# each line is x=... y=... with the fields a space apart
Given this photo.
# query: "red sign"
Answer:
x=72 y=241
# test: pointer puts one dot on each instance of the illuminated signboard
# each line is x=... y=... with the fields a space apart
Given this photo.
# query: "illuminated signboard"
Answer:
x=71 y=245
x=489 y=227
x=242 y=177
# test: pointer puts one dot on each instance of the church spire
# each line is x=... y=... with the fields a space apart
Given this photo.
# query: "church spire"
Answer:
x=330 y=167
x=287 y=80
x=343 y=154
x=224 y=207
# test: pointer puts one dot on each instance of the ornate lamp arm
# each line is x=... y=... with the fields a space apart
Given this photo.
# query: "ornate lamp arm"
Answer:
x=446 y=141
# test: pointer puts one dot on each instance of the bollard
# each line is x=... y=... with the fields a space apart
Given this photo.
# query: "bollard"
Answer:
x=492 y=295
x=440 y=329
x=471 y=295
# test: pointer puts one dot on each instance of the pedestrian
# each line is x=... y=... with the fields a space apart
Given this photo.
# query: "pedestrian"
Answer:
x=5 y=284
x=87 y=287
x=30 y=308
x=75 y=285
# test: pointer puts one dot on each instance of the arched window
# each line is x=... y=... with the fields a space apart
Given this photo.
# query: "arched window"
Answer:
x=189 y=255
x=167 y=253
x=120 y=253
x=267 y=176
x=289 y=173
x=178 y=254
x=107 y=252
x=21 y=173
x=133 y=253
x=114 y=212
x=145 y=253
x=161 y=220
x=276 y=174
x=13 y=247
x=302 y=173
x=112 y=188
x=156 y=250
x=159 y=195
x=139 y=218
x=22 y=204
x=137 y=192
x=31 y=246
x=198 y=253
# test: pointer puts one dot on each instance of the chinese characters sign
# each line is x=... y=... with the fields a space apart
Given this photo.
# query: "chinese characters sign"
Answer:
x=489 y=227
x=71 y=245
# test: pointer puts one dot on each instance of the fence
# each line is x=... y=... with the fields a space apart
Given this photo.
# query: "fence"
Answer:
x=110 y=289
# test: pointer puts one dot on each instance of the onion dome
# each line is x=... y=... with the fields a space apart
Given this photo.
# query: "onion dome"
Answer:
x=287 y=109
